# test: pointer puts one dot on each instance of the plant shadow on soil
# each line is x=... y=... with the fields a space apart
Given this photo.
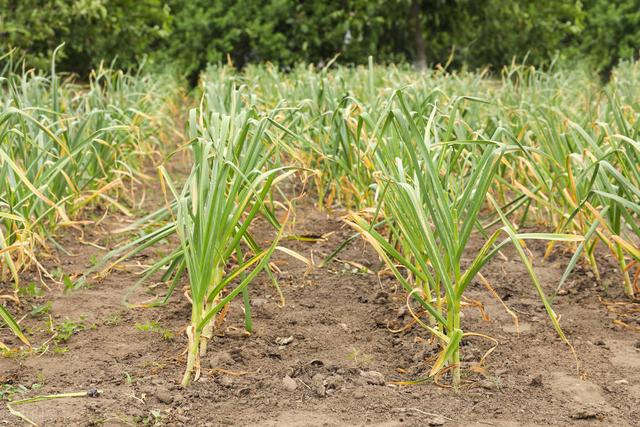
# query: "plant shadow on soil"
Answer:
x=330 y=354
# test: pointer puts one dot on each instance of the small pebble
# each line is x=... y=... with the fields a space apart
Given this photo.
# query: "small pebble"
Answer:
x=289 y=383
x=221 y=359
x=164 y=396
x=536 y=381
x=488 y=385
x=284 y=340
x=373 y=377
x=225 y=381
x=435 y=421
x=584 y=414
x=259 y=302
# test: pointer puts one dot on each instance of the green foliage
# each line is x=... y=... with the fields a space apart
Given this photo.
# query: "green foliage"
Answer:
x=612 y=32
x=8 y=391
x=93 y=30
x=67 y=328
x=494 y=31
x=288 y=31
x=194 y=33
x=155 y=327
x=280 y=31
x=38 y=310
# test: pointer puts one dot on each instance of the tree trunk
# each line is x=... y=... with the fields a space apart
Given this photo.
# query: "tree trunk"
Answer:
x=420 y=58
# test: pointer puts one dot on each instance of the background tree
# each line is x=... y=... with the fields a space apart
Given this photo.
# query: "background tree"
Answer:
x=92 y=30
x=611 y=32
x=194 y=33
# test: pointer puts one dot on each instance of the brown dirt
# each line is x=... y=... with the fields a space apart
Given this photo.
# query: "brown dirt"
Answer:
x=343 y=356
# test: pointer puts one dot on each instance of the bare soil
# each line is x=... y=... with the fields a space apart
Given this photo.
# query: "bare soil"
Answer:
x=333 y=353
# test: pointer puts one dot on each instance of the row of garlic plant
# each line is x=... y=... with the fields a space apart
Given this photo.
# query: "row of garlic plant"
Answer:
x=422 y=167
x=235 y=152
x=583 y=140
x=548 y=149
x=584 y=173
x=432 y=186
x=235 y=170
x=66 y=147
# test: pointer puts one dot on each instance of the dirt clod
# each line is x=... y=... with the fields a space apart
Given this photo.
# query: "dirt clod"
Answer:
x=289 y=383
x=284 y=340
x=358 y=393
x=436 y=421
x=488 y=384
x=221 y=359
x=225 y=381
x=585 y=414
x=164 y=396
x=373 y=377
x=536 y=381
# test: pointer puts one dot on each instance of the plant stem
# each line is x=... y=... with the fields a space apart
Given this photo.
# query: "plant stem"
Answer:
x=207 y=332
x=455 y=357
x=194 y=342
x=628 y=286
x=455 y=360
x=192 y=357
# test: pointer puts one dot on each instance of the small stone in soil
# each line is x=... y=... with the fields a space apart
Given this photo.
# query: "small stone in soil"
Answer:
x=334 y=382
x=488 y=385
x=373 y=377
x=536 y=381
x=221 y=359
x=92 y=392
x=289 y=383
x=602 y=344
x=584 y=414
x=435 y=421
x=381 y=297
x=163 y=396
x=284 y=340
x=243 y=391
x=258 y=302
x=500 y=372
x=318 y=384
x=358 y=394
x=225 y=381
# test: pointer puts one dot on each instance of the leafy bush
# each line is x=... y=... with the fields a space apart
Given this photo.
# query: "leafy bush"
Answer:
x=194 y=33
x=92 y=30
x=612 y=32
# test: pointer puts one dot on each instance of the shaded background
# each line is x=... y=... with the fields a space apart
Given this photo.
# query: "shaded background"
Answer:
x=428 y=33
